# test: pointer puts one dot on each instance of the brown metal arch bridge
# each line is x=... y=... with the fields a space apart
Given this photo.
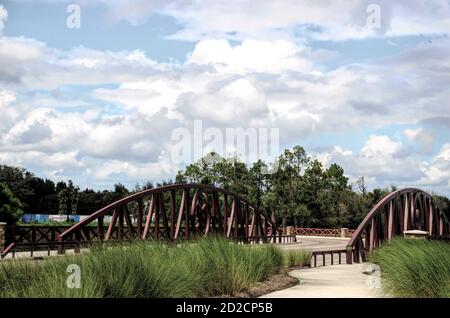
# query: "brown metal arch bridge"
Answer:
x=173 y=212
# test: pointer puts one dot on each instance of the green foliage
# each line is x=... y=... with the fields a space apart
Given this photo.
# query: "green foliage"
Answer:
x=414 y=268
x=443 y=203
x=19 y=181
x=68 y=199
x=10 y=206
x=301 y=192
x=208 y=267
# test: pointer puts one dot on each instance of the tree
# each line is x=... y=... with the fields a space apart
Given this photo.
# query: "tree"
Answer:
x=10 y=206
x=443 y=203
x=335 y=186
x=44 y=199
x=312 y=188
x=286 y=183
x=120 y=191
x=257 y=182
x=68 y=200
x=19 y=183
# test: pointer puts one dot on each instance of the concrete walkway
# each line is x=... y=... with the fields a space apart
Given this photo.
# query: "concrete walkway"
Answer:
x=337 y=281
x=316 y=243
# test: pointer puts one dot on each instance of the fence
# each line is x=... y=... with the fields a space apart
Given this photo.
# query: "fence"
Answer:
x=23 y=234
x=344 y=232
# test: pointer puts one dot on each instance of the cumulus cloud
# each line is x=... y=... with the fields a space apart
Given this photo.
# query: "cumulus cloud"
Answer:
x=437 y=172
x=77 y=144
x=380 y=161
x=237 y=103
x=250 y=56
x=9 y=114
x=380 y=146
x=32 y=63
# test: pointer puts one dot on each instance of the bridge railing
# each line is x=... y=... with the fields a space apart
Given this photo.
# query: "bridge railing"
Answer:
x=322 y=256
x=45 y=249
x=282 y=239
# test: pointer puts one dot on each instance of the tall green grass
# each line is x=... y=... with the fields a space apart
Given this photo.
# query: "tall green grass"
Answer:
x=297 y=258
x=207 y=267
x=414 y=268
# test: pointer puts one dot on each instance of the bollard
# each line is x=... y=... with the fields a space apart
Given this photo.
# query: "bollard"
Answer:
x=289 y=230
x=344 y=232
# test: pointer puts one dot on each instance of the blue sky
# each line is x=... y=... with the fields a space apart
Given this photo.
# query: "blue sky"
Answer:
x=98 y=104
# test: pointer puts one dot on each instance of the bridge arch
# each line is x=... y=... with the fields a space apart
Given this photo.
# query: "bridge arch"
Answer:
x=399 y=211
x=173 y=212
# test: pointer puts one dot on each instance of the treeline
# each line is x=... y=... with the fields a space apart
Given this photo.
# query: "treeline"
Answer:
x=22 y=192
x=297 y=190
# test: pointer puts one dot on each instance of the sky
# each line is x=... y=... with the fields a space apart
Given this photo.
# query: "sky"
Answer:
x=364 y=84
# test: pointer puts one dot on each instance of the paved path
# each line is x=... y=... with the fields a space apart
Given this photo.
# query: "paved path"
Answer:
x=338 y=281
x=40 y=254
x=341 y=281
x=317 y=243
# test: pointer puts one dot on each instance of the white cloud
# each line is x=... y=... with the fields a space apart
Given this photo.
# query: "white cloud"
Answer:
x=238 y=103
x=250 y=56
x=380 y=146
x=437 y=172
x=31 y=63
x=381 y=161
x=3 y=17
x=77 y=145
x=111 y=170
x=148 y=96
x=8 y=114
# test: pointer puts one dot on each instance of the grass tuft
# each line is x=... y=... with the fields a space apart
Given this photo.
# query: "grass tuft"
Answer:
x=414 y=268
x=297 y=258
